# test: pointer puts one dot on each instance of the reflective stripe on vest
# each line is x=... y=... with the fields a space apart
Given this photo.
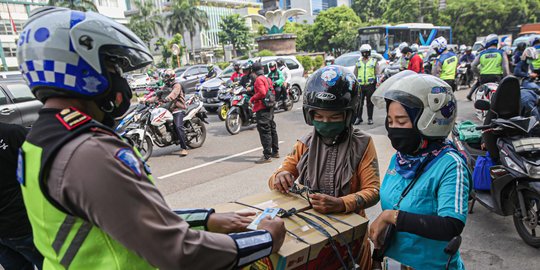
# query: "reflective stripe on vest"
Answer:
x=536 y=62
x=366 y=71
x=448 y=69
x=491 y=62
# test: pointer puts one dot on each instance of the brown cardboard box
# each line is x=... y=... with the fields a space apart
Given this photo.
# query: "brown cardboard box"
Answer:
x=305 y=247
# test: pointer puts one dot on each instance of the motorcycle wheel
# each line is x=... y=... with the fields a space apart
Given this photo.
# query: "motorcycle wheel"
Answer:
x=233 y=123
x=528 y=227
x=200 y=128
x=223 y=110
x=145 y=146
x=295 y=93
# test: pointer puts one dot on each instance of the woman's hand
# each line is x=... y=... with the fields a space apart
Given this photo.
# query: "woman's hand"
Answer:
x=283 y=181
x=229 y=222
x=324 y=204
x=378 y=227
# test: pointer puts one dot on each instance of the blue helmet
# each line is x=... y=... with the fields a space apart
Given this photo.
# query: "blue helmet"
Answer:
x=68 y=57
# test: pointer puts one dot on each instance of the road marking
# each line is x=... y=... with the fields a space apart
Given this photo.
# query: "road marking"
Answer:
x=211 y=162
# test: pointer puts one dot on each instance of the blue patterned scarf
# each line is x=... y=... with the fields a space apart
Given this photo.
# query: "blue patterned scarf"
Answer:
x=408 y=166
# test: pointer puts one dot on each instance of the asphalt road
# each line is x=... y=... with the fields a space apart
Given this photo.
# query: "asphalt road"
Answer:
x=224 y=170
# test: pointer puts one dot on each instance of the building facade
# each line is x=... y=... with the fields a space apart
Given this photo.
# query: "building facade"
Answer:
x=312 y=7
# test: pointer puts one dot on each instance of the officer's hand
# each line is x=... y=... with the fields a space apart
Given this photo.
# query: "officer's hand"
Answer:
x=276 y=227
x=283 y=181
x=533 y=75
x=229 y=222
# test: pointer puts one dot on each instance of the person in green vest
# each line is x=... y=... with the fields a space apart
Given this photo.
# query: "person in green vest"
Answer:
x=534 y=41
x=446 y=65
x=367 y=72
x=91 y=200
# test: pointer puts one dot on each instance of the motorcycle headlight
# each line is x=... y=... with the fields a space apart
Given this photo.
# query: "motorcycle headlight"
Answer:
x=514 y=166
x=533 y=170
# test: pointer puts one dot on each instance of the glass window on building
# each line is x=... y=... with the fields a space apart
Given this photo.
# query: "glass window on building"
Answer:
x=108 y=3
x=320 y=5
x=5 y=27
x=10 y=50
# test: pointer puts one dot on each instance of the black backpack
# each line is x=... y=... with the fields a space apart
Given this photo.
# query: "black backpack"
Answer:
x=270 y=99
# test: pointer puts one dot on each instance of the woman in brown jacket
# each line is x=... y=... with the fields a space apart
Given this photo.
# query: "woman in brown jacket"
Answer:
x=335 y=159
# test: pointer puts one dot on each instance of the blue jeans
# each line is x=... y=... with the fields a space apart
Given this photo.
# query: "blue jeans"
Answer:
x=19 y=253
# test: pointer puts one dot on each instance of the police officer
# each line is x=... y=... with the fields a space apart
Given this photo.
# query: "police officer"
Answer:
x=366 y=70
x=535 y=43
x=91 y=200
x=446 y=64
x=491 y=64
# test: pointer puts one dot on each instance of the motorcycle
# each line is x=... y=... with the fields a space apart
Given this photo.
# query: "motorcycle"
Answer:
x=225 y=96
x=285 y=101
x=240 y=113
x=484 y=92
x=132 y=121
x=392 y=69
x=463 y=75
x=157 y=124
x=515 y=149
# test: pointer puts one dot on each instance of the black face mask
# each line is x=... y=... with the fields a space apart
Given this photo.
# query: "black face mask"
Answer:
x=366 y=54
x=404 y=140
x=113 y=106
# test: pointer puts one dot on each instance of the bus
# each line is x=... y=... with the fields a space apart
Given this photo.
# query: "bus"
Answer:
x=386 y=38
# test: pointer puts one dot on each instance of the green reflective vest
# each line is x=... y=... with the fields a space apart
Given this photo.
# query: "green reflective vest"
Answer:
x=536 y=62
x=491 y=62
x=65 y=241
x=448 y=68
x=366 y=71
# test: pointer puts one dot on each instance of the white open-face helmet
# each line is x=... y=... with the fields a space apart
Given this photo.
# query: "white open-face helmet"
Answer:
x=66 y=51
x=439 y=45
x=529 y=53
x=426 y=92
x=491 y=40
x=365 y=48
x=414 y=47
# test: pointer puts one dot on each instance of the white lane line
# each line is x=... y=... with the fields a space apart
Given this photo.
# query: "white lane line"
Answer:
x=211 y=162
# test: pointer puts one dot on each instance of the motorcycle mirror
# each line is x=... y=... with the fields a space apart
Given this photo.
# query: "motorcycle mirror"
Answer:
x=453 y=246
x=481 y=104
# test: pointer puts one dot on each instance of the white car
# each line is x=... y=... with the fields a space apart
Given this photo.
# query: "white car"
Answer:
x=138 y=81
x=298 y=81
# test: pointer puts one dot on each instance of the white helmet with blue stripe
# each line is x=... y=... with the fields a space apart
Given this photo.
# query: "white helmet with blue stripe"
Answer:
x=491 y=40
x=439 y=45
x=71 y=53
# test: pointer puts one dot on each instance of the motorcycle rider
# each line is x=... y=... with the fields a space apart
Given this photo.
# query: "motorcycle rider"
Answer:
x=264 y=115
x=91 y=201
x=416 y=63
x=520 y=48
x=175 y=94
x=403 y=63
x=414 y=47
x=367 y=72
x=491 y=63
x=211 y=73
x=446 y=65
x=277 y=79
x=236 y=74
x=248 y=78
x=329 y=60
x=524 y=67
x=535 y=43
x=286 y=77
x=467 y=58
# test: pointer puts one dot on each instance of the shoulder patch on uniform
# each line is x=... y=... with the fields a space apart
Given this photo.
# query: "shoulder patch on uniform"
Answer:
x=71 y=118
x=128 y=158
x=20 y=167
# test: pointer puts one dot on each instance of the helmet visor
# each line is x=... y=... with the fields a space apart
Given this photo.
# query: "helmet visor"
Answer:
x=126 y=58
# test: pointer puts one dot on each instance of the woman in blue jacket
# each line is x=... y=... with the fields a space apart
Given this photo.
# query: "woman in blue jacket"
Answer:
x=421 y=111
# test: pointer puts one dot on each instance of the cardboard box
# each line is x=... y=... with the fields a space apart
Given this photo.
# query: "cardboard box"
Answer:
x=305 y=247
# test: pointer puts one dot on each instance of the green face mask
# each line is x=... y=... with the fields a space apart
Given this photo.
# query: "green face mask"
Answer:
x=329 y=129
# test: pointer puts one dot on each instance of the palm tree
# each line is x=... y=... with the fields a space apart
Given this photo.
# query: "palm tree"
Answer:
x=82 y=5
x=186 y=17
x=146 y=23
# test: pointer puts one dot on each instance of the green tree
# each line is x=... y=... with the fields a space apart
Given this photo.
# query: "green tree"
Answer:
x=82 y=5
x=235 y=32
x=185 y=16
x=146 y=22
x=318 y=62
x=330 y=23
x=303 y=35
x=369 y=10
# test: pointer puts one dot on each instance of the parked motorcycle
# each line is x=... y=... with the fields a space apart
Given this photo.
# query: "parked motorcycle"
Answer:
x=240 y=113
x=159 y=126
x=515 y=150
x=484 y=92
x=132 y=121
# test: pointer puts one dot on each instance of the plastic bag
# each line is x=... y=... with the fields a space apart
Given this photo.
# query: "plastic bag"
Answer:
x=481 y=176
x=468 y=133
